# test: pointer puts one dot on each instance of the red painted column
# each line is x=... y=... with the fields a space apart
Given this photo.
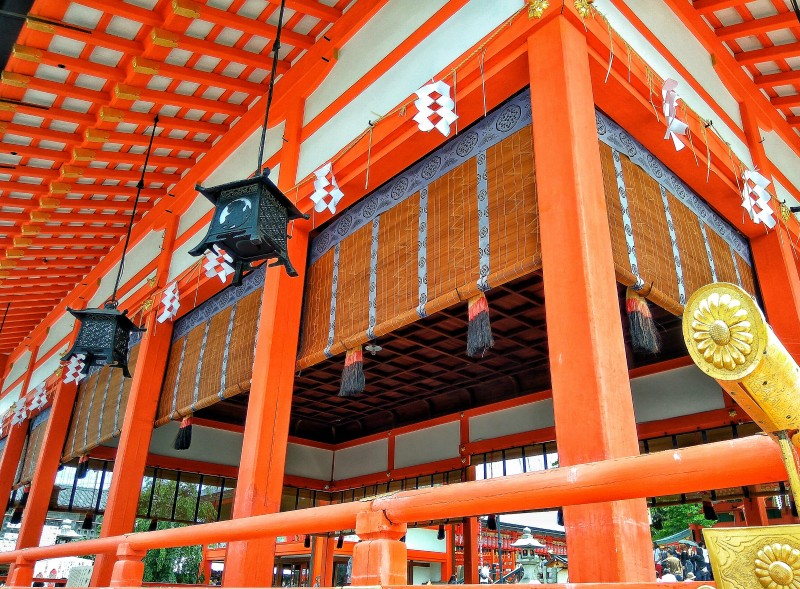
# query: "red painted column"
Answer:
x=137 y=426
x=591 y=392
x=471 y=548
x=773 y=256
x=260 y=483
x=322 y=563
x=755 y=511
x=44 y=476
x=380 y=558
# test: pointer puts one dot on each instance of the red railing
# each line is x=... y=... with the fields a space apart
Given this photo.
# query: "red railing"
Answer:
x=736 y=463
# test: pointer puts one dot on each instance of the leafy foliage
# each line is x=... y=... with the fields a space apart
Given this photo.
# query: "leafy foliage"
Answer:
x=676 y=518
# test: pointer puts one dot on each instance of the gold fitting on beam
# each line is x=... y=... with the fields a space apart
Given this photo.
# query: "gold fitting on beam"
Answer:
x=81 y=154
x=71 y=172
x=112 y=115
x=49 y=203
x=13 y=253
x=96 y=135
x=14 y=79
x=59 y=188
x=31 y=230
x=22 y=242
x=3 y=127
x=27 y=53
x=164 y=38
x=7 y=106
x=126 y=92
x=40 y=216
x=4 y=274
x=6 y=264
x=42 y=27
x=187 y=8
x=145 y=66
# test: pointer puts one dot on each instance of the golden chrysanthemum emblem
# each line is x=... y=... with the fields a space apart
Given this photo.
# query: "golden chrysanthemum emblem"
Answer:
x=778 y=567
x=722 y=331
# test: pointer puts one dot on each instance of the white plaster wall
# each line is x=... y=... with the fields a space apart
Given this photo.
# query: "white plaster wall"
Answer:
x=10 y=398
x=309 y=462
x=454 y=37
x=427 y=445
x=58 y=331
x=682 y=391
x=47 y=368
x=360 y=460
x=524 y=418
x=668 y=28
x=783 y=157
x=18 y=369
x=424 y=539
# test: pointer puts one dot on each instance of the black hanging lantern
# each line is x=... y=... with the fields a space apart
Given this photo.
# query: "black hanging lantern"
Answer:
x=250 y=221
x=251 y=215
x=104 y=334
x=103 y=337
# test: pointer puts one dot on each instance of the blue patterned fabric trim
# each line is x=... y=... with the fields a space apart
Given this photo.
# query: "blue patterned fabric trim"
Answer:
x=616 y=137
x=40 y=419
x=676 y=254
x=496 y=126
x=219 y=302
x=484 y=251
x=626 y=219
x=203 y=344
x=178 y=378
x=334 y=293
x=422 y=253
x=224 y=379
x=103 y=408
x=373 y=279
x=708 y=252
x=736 y=268
x=119 y=404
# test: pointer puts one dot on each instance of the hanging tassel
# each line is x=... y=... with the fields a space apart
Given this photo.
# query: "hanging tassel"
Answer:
x=353 y=373
x=491 y=522
x=440 y=533
x=88 y=521
x=560 y=517
x=479 y=328
x=340 y=540
x=307 y=541
x=153 y=525
x=16 y=515
x=184 y=438
x=644 y=336
x=83 y=467
x=793 y=507
x=658 y=521
x=708 y=511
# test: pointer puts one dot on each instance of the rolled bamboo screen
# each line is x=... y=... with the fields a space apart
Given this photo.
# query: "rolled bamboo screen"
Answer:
x=664 y=237
x=212 y=350
x=33 y=446
x=465 y=219
x=462 y=220
x=99 y=408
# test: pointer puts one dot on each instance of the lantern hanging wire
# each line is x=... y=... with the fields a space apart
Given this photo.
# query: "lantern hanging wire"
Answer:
x=275 y=48
x=112 y=303
x=5 y=314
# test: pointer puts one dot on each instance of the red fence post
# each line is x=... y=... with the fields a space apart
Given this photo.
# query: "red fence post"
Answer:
x=22 y=573
x=380 y=558
x=129 y=568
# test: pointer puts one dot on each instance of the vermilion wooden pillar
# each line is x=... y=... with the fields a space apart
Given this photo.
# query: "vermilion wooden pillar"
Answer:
x=260 y=483
x=322 y=565
x=591 y=392
x=35 y=513
x=137 y=427
x=773 y=256
x=755 y=511
x=471 y=528
x=134 y=441
x=12 y=453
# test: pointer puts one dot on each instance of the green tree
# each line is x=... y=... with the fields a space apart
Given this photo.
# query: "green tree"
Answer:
x=676 y=518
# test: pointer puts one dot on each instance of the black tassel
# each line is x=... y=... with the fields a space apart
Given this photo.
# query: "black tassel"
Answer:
x=644 y=335
x=83 y=467
x=440 y=533
x=184 y=438
x=479 y=328
x=403 y=538
x=307 y=541
x=708 y=511
x=16 y=516
x=491 y=522
x=153 y=525
x=560 y=517
x=658 y=521
x=353 y=381
x=340 y=541
x=793 y=507
x=88 y=521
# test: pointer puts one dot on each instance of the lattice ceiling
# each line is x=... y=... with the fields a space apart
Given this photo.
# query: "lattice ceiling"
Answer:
x=78 y=95
x=764 y=37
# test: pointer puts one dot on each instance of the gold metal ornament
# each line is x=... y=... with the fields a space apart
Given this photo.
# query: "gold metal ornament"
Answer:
x=536 y=8
x=786 y=212
x=147 y=305
x=584 y=8
x=755 y=558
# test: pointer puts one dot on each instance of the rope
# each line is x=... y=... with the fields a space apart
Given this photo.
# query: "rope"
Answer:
x=275 y=48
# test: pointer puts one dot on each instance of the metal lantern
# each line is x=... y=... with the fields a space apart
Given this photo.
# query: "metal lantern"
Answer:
x=103 y=337
x=250 y=221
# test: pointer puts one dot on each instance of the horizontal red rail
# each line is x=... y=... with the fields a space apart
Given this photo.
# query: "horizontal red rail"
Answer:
x=735 y=463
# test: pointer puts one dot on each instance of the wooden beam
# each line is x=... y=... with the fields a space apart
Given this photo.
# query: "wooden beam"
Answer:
x=755 y=56
x=758 y=26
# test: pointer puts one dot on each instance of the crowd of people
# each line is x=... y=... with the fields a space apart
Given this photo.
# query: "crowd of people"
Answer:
x=688 y=564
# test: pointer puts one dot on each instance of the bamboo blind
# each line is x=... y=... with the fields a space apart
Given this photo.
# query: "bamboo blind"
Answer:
x=437 y=229
x=33 y=446
x=99 y=408
x=703 y=256
x=212 y=362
